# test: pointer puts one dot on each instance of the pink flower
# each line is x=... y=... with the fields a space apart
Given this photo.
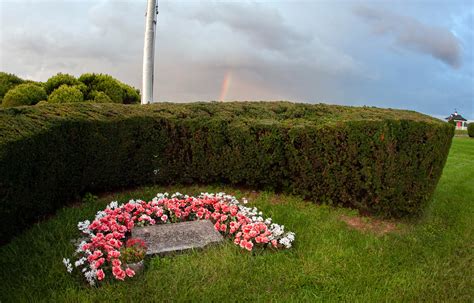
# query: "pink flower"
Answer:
x=116 y=263
x=159 y=212
x=114 y=254
x=164 y=218
x=99 y=263
x=118 y=273
x=114 y=243
x=100 y=274
x=274 y=243
x=130 y=272
x=223 y=228
x=249 y=246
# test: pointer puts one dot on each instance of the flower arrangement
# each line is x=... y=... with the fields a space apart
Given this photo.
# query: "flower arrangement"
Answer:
x=107 y=248
x=133 y=251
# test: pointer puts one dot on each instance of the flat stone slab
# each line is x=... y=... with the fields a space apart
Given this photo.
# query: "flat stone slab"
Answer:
x=177 y=237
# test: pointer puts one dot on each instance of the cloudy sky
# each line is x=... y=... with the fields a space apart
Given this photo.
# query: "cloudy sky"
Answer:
x=410 y=54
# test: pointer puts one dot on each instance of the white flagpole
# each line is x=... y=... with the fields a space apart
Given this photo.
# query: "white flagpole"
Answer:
x=149 y=52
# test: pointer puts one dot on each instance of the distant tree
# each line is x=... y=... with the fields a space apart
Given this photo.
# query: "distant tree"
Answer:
x=24 y=94
x=100 y=97
x=117 y=91
x=66 y=94
x=60 y=79
x=7 y=82
x=131 y=95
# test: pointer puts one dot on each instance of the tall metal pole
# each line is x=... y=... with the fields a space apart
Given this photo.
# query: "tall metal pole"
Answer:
x=149 y=52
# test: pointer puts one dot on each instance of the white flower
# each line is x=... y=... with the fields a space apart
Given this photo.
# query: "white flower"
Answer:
x=79 y=247
x=286 y=242
x=80 y=262
x=83 y=224
x=91 y=276
x=176 y=195
x=100 y=214
x=113 y=205
x=68 y=265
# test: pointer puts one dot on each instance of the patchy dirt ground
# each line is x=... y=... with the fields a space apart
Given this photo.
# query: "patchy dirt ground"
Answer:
x=370 y=225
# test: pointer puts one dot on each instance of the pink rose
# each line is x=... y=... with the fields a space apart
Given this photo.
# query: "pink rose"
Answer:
x=164 y=218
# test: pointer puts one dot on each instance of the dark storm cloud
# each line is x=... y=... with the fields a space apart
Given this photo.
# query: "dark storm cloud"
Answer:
x=413 y=35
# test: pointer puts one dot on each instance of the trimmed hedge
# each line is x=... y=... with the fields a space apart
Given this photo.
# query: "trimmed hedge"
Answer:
x=470 y=130
x=381 y=161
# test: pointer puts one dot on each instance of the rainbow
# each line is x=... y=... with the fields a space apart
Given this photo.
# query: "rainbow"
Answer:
x=225 y=86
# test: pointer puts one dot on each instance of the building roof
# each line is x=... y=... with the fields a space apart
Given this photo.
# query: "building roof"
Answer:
x=455 y=117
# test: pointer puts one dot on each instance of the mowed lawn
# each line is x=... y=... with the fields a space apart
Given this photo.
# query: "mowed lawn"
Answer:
x=428 y=259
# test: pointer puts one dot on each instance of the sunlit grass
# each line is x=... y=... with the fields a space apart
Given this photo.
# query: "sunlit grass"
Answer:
x=430 y=259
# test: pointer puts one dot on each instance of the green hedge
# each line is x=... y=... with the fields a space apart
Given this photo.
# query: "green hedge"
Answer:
x=382 y=161
x=470 y=130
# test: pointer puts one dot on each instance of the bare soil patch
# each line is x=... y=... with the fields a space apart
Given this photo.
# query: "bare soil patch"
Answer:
x=370 y=225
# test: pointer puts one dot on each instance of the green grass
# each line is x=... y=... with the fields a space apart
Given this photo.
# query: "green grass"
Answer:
x=427 y=260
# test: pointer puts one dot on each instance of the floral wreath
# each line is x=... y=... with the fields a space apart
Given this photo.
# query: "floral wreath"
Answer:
x=99 y=253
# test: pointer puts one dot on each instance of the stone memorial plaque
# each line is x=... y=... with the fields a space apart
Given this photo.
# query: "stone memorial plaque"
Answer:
x=177 y=237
